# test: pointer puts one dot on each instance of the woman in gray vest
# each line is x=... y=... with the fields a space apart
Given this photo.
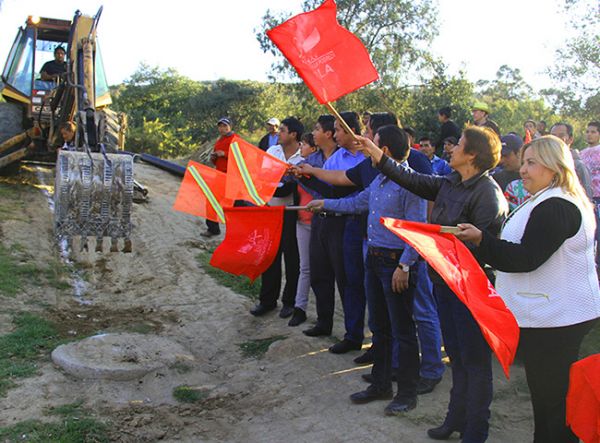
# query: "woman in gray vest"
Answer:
x=547 y=277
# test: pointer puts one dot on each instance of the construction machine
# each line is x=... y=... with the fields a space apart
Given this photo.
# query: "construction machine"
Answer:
x=94 y=182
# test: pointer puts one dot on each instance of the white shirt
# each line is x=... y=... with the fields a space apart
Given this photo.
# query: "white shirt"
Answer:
x=278 y=152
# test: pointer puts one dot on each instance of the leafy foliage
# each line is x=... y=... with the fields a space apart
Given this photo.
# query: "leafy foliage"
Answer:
x=577 y=66
x=395 y=32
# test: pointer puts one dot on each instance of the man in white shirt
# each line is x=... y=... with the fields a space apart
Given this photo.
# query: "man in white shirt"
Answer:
x=288 y=150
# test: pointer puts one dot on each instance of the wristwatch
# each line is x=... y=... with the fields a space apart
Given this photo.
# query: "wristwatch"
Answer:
x=405 y=268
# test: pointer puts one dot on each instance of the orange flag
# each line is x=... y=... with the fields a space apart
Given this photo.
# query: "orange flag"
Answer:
x=461 y=272
x=202 y=193
x=251 y=240
x=252 y=174
x=583 y=399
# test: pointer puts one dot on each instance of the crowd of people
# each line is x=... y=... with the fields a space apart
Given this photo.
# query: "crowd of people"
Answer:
x=527 y=208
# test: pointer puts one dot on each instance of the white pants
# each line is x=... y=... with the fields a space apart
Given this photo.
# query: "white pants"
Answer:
x=303 y=238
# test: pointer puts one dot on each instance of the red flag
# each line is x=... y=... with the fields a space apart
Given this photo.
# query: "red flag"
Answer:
x=461 y=272
x=583 y=399
x=330 y=59
x=251 y=240
x=202 y=193
x=252 y=174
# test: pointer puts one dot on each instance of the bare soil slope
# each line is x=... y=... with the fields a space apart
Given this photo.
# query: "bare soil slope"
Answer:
x=297 y=392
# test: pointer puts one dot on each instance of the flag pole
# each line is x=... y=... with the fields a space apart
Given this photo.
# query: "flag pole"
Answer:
x=341 y=120
x=295 y=208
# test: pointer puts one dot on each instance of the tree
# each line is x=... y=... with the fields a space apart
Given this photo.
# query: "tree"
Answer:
x=395 y=32
x=577 y=67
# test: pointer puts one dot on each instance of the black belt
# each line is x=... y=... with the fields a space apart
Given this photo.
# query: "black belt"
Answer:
x=329 y=214
x=394 y=254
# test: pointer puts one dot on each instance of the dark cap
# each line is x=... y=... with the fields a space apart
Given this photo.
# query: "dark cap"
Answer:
x=451 y=140
x=511 y=143
x=224 y=120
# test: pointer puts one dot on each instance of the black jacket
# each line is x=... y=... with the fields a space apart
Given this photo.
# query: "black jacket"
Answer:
x=478 y=200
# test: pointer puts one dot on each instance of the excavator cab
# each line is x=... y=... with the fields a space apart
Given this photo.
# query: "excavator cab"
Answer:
x=94 y=182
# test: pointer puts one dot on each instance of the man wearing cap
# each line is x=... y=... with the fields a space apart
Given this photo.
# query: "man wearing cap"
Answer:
x=480 y=112
x=219 y=159
x=271 y=138
x=509 y=160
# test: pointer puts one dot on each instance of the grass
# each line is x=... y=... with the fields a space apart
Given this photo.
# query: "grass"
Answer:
x=258 y=348
x=23 y=348
x=73 y=427
x=241 y=285
x=189 y=394
x=16 y=270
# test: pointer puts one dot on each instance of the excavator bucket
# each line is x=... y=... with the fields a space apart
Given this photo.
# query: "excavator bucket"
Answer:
x=92 y=198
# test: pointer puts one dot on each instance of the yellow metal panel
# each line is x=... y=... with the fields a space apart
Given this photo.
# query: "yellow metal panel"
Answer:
x=8 y=93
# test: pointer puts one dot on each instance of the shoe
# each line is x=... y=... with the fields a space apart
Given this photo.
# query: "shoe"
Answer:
x=369 y=378
x=442 y=432
x=317 y=331
x=370 y=394
x=400 y=406
x=286 y=311
x=426 y=385
x=298 y=318
x=209 y=234
x=344 y=346
x=366 y=358
x=260 y=310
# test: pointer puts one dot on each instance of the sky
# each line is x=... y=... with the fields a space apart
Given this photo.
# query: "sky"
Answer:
x=208 y=40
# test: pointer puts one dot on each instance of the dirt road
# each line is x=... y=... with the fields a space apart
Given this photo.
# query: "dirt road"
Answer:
x=297 y=392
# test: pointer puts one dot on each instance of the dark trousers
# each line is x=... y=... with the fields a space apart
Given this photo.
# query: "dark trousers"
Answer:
x=213 y=227
x=271 y=278
x=354 y=301
x=470 y=355
x=548 y=354
x=326 y=265
x=391 y=321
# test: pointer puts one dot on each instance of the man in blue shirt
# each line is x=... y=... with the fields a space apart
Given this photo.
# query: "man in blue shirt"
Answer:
x=439 y=165
x=389 y=265
x=352 y=285
x=425 y=307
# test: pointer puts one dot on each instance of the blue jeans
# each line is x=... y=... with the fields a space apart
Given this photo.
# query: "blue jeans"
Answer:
x=428 y=325
x=354 y=301
x=471 y=358
x=392 y=322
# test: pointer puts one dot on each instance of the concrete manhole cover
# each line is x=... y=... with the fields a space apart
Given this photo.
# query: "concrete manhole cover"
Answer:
x=118 y=356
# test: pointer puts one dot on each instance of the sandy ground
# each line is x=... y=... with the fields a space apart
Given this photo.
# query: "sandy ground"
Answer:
x=297 y=392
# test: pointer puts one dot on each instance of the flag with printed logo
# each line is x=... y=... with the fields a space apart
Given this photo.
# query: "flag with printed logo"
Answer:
x=251 y=240
x=330 y=59
x=453 y=261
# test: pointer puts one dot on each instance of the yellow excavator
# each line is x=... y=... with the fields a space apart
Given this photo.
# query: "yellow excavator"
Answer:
x=94 y=182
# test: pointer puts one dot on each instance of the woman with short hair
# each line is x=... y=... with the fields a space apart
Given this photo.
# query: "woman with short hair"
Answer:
x=467 y=195
x=547 y=277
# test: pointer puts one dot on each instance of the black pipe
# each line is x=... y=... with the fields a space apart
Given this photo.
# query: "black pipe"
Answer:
x=165 y=165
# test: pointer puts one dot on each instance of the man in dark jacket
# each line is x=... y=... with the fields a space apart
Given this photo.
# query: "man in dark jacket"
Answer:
x=448 y=129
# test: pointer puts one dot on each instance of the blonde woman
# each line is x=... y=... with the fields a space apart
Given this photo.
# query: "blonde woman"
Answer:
x=547 y=277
